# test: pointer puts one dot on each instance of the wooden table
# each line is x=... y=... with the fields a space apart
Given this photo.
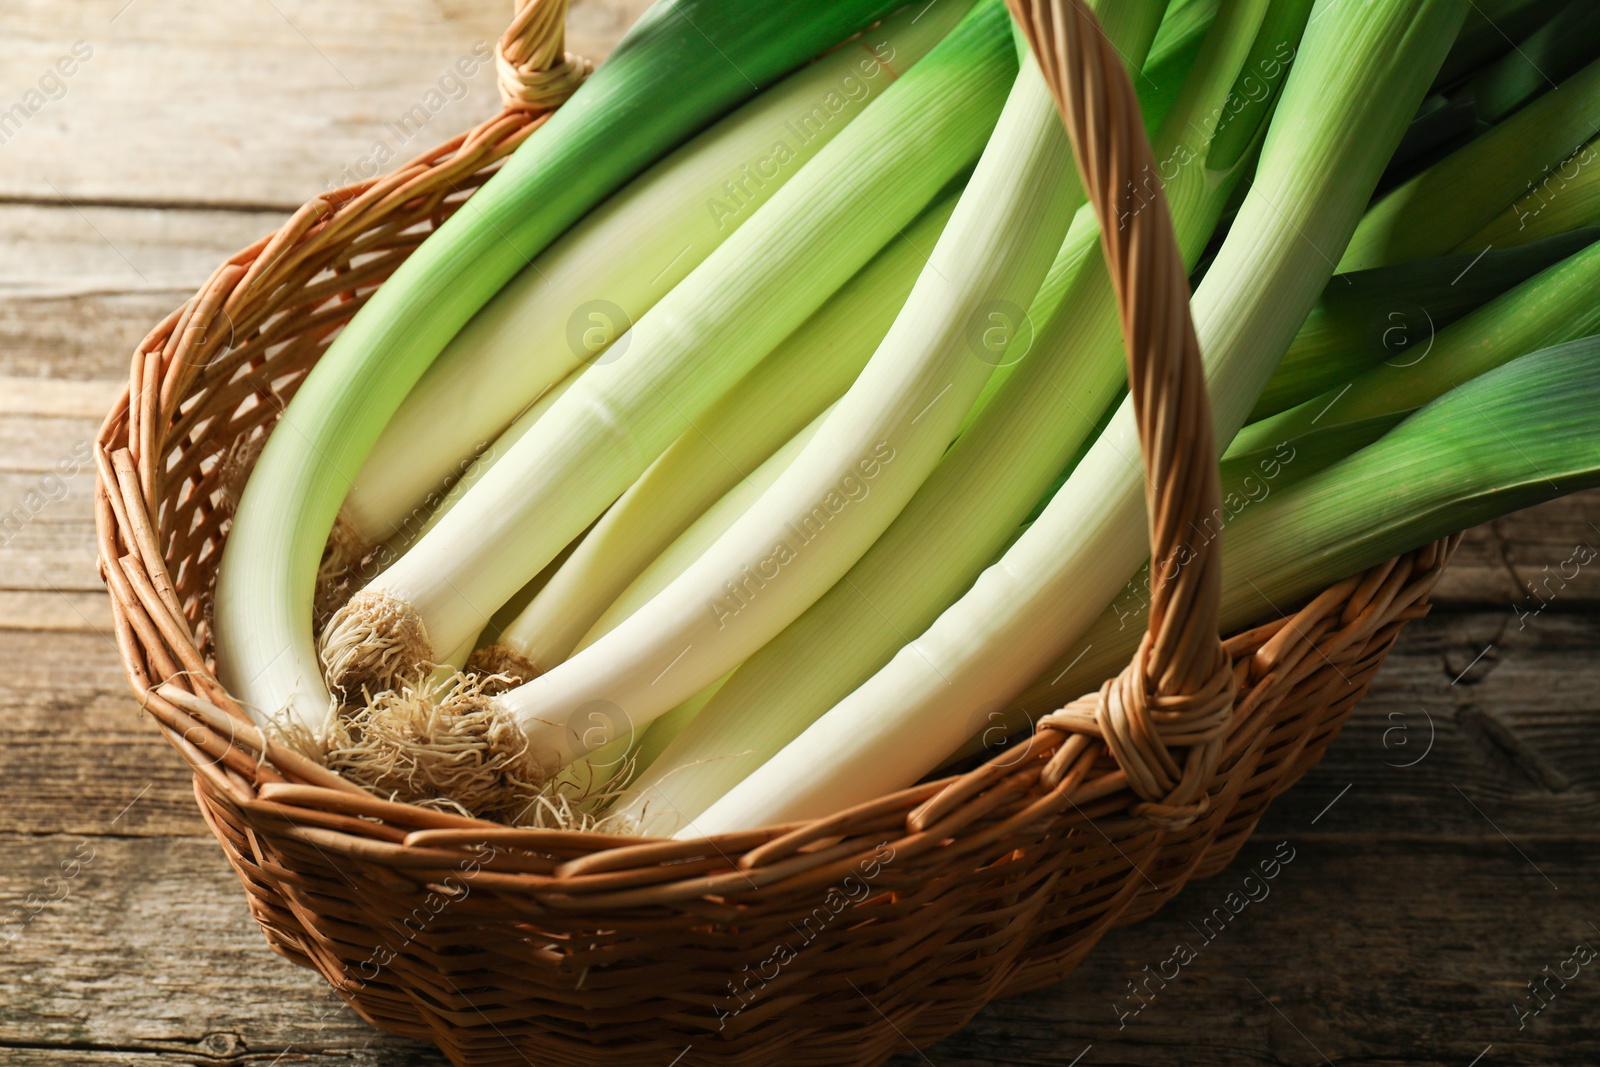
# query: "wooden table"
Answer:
x=1444 y=853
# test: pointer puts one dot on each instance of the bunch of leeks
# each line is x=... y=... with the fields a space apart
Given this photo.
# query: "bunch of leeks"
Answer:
x=734 y=461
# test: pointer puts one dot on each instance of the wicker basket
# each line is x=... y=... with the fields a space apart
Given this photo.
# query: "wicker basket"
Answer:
x=832 y=942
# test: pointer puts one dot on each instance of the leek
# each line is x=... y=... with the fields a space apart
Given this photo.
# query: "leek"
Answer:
x=1554 y=51
x=704 y=532
x=1489 y=31
x=1178 y=75
x=1565 y=198
x=1515 y=436
x=410 y=530
x=1390 y=313
x=1553 y=306
x=1433 y=212
x=342 y=574
x=1175 y=49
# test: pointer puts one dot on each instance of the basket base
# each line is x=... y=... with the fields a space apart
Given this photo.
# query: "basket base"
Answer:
x=1036 y=940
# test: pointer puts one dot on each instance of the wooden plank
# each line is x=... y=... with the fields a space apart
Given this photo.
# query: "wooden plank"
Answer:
x=149 y=951
x=48 y=573
x=1470 y=720
x=1368 y=952
x=58 y=398
x=37 y=444
x=76 y=751
x=244 y=104
x=1531 y=556
x=81 y=286
x=50 y=557
x=91 y=336
x=75 y=505
x=59 y=250
x=55 y=612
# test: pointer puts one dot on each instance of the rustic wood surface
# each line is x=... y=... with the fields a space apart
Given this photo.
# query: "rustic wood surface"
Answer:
x=1444 y=853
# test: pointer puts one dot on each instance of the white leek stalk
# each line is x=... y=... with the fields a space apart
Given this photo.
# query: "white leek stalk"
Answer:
x=593 y=778
x=661 y=733
x=342 y=574
x=411 y=528
x=1360 y=73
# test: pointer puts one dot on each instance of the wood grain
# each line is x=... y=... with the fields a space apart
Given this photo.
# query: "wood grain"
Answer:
x=1367 y=951
x=52 y=558
x=54 y=611
x=75 y=750
x=106 y=966
x=245 y=104
x=89 y=336
x=69 y=250
x=56 y=398
x=80 y=285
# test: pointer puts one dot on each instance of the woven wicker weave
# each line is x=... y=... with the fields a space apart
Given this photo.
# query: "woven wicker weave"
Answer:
x=833 y=942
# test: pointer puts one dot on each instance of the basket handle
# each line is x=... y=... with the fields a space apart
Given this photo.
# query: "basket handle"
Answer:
x=534 y=69
x=1179 y=690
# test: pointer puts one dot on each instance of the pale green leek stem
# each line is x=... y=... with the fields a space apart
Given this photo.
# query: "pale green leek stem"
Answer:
x=704 y=532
